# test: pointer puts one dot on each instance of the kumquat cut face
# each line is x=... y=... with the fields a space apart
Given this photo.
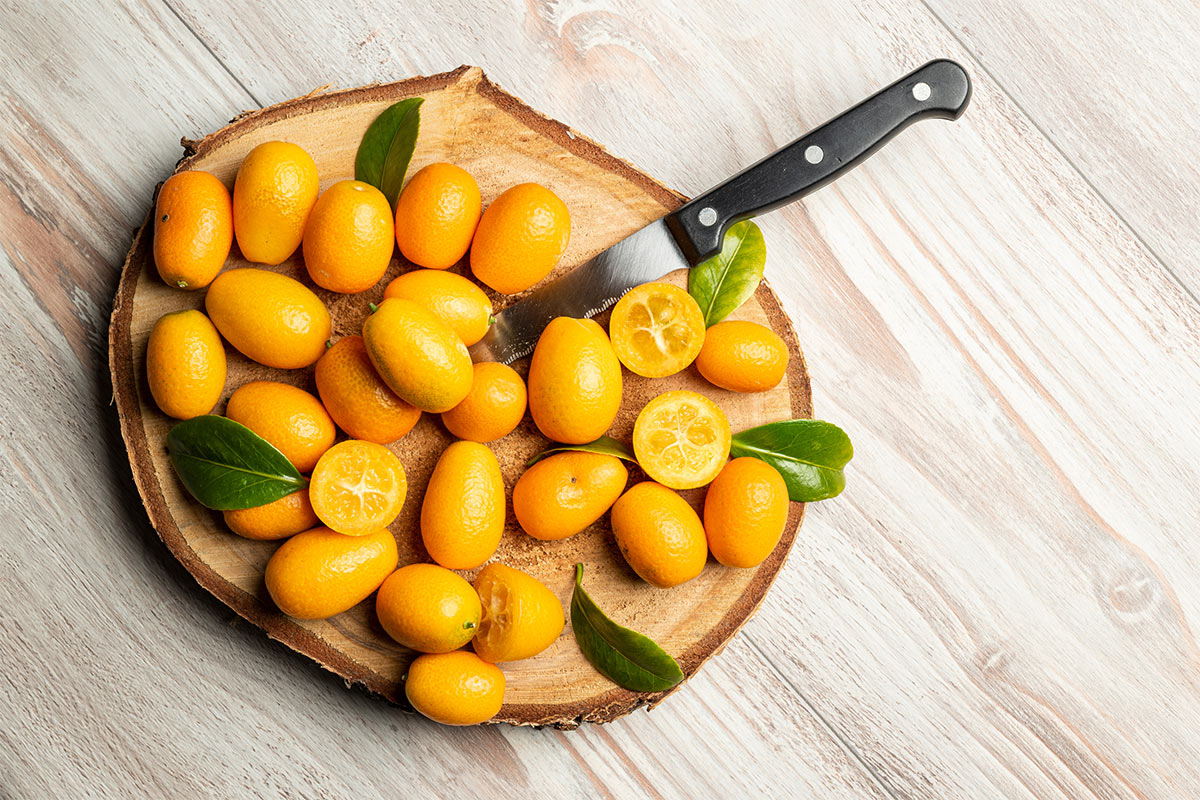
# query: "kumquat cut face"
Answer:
x=681 y=439
x=358 y=487
x=657 y=330
x=521 y=616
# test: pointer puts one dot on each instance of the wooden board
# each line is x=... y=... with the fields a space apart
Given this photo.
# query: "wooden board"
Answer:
x=468 y=121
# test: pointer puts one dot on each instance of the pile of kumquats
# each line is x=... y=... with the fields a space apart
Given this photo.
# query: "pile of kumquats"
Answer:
x=279 y=468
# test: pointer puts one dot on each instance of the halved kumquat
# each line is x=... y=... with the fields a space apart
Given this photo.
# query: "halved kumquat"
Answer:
x=657 y=330
x=681 y=439
x=521 y=616
x=358 y=487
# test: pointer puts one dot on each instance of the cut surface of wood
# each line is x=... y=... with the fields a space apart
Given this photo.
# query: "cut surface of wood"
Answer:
x=468 y=121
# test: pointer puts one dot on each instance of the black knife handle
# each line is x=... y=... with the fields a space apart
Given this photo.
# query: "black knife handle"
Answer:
x=939 y=89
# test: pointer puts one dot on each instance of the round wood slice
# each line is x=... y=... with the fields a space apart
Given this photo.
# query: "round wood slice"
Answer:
x=469 y=121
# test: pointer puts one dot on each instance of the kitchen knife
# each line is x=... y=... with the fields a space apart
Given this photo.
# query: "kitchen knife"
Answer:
x=695 y=231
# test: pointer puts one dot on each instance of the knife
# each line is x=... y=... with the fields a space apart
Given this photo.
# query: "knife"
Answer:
x=695 y=231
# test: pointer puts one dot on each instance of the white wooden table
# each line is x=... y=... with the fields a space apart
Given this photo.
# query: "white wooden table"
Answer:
x=1002 y=312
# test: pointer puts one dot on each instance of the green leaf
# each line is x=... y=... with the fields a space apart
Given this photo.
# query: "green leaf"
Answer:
x=723 y=282
x=605 y=445
x=227 y=466
x=625 y=657
x=809 y=454
x=399 y=154
x=387 y=147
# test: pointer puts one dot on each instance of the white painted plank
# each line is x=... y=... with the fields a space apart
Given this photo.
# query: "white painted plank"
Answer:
x=1113 y=85
x=1008 y=576
x=84 y=100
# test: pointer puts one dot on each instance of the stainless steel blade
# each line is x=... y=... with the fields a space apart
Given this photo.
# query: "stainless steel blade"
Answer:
x=584 y=292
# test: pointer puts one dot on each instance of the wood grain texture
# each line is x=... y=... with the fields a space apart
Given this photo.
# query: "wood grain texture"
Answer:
x=1112 y=85
x=1001 y=604
x=467 y=121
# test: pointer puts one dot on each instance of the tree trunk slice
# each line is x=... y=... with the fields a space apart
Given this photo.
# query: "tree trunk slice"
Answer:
x=469 y=121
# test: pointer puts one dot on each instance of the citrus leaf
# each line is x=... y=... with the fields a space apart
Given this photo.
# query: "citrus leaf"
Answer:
x=725 y=281
x=809 y=454
x=625 y=657
x=605 y=445
x=393 y=130
x=400 y=153
x=227 y=466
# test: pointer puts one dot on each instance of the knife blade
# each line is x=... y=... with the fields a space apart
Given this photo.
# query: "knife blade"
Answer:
x=693 y=233
x=587 y=290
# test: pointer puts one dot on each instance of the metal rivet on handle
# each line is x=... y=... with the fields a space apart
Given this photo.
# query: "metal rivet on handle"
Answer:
x=707 y=216
x=921 y=92
x=813 y=154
